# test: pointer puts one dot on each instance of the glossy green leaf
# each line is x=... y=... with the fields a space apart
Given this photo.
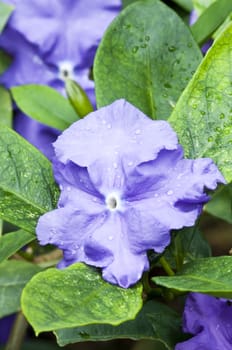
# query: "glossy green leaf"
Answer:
x=127 y=2
x=206 y=275
x=210 y=20
x=187 y=245
x=150 y=55
x=202 y=117
x=78 y=98
x=27 y=187
x=45 y=105
x=5 y=61
x=77 y=296
x=155 y=321
x=201 y=5
x=221 y=204
x=5 y=107
x=13 y=277
x=11 y=242
x=5 y=11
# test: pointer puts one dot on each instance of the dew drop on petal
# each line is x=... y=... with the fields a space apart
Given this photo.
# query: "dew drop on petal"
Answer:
x=110 y=238
x=109 y=126
x=138 y=132
x=68 y=188
x=130 y=163
x=170 y=192
x=115 y=165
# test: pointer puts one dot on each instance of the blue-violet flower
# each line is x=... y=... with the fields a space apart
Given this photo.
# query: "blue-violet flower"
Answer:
x=124 y=185
x=50 y=43
x=209 y=319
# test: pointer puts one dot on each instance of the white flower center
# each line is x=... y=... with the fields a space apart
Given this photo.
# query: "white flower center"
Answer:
x=113 y=201
x=66 y=70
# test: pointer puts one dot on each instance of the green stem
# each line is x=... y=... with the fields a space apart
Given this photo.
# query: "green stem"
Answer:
x=167 y=268
x=17 y=333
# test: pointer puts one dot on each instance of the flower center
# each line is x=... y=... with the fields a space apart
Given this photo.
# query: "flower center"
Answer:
x=113 y=201
x=66 y=70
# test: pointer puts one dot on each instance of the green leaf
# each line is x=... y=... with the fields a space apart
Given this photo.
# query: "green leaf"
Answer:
x=5 y=61
x=221 y=204
x=11 y=242
x=125 y=3
x=5 y=11
x=187 y=245
x=78 y=98
x=187 y=5
x=13 y=277
x=6 y=107
x=202 y=117
x=206 y=275
x=155 y=321
x=150 y=55
x=77 y=296
x=45 y=105
x=27 y=187
x=210 y=20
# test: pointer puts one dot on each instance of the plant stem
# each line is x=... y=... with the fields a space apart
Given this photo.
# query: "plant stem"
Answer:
x=17 y=333
x=167 y=268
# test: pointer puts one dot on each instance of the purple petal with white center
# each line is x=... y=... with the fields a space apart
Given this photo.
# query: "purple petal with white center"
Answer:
x=124 y=186
x=209 y=319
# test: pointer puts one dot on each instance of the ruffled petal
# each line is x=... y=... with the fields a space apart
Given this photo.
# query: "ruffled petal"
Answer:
x=209 y=319
x=127 y=132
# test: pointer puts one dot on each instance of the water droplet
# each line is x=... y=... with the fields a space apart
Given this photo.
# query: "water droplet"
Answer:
x=218 y=129
x=94 y=199
x=171 y=48
x=127 y=26
x=109 y=126
x=61 y=187
x=147 y=37
x=115 y=165
x=167 y=85
x=130 y=163
x=68 y=189
x=210 y=138
x=135 y=49
x=138 y=132
x=110 y=238
x=222 y=116
x=156 y=195
x=194 y=106
x=190 y=44
x=103 y=121
x=170 y=192
x=143 y=46
x=203 y=112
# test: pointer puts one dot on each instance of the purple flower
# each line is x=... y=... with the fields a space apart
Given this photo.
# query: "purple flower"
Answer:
x=209 y=319
x=124 y=185
x=51 y=43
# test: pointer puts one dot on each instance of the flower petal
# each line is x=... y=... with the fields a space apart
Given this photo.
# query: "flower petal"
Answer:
x=209 y=319
x=127 y=132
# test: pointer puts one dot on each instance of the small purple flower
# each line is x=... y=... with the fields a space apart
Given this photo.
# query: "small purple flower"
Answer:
x=49 y=43
x=209 y=319
x=124 y=185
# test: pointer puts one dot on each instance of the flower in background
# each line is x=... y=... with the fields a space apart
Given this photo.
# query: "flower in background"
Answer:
x=124 y=185
x=50 y=43
x=209 y=319
x=192 y=19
